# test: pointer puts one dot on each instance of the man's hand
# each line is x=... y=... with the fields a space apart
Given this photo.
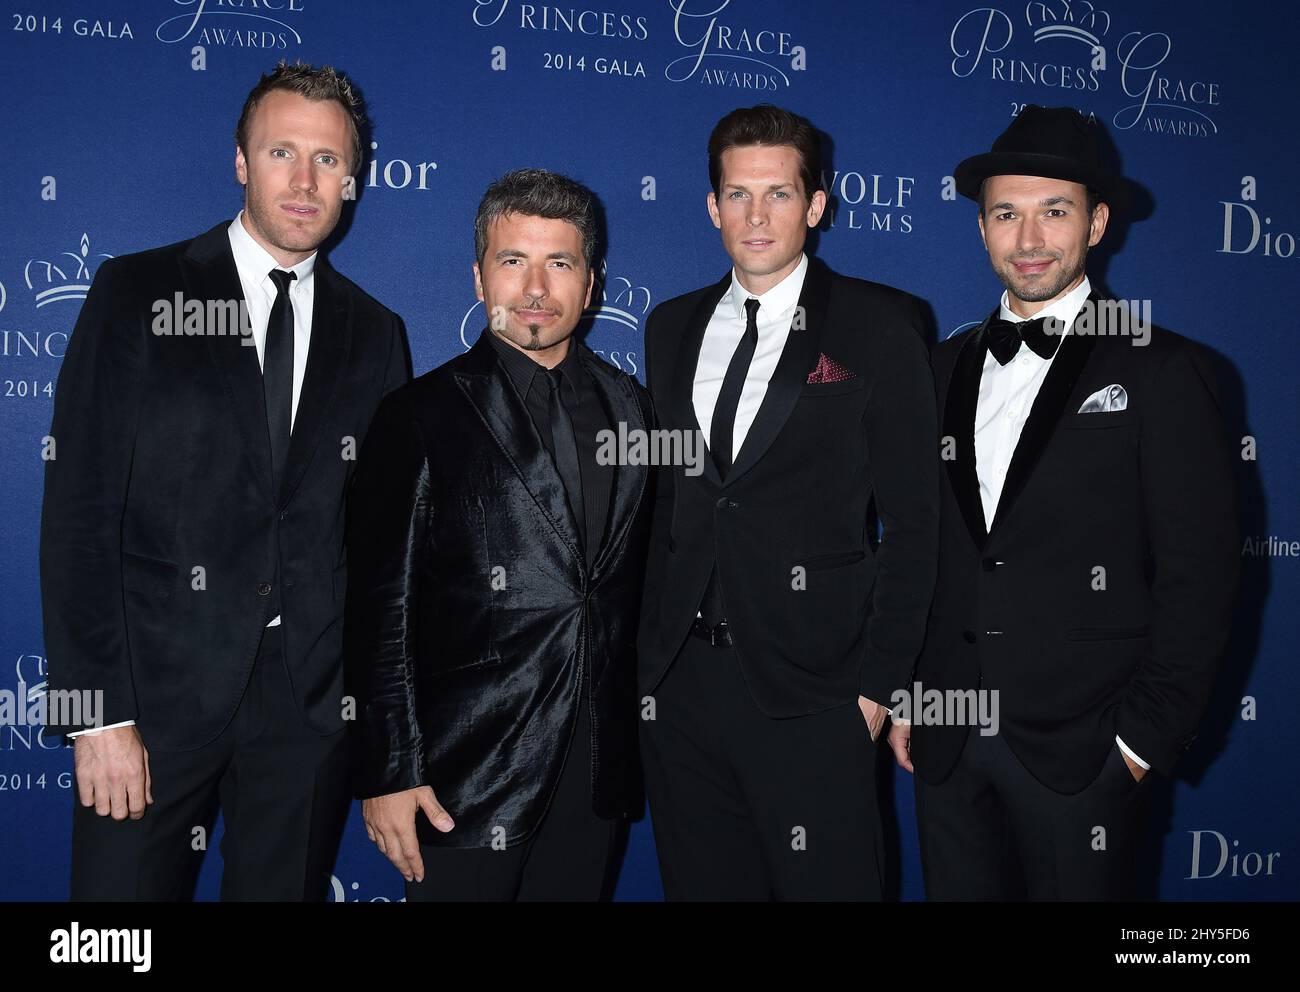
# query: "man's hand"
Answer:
x=874 y=714
x=900 y=739
x=390 y=823
x=112 y=771
x=1136 y=770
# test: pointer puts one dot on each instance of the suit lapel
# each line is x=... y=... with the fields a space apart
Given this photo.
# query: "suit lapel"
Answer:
x=959 y=424
x=688 y=358
x=616 y=394
x=209 y=273
x=331 y=340
x=797 y=359
x=486 y=385
x=1046 y=413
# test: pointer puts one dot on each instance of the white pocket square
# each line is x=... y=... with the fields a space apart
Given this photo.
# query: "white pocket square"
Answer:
x=1108 y=399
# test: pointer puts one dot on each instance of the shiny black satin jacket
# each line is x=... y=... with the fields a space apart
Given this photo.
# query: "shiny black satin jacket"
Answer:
x=472 y=616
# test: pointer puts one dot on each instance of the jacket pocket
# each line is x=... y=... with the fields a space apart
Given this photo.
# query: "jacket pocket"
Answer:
x=151 y=577
x=817 y=563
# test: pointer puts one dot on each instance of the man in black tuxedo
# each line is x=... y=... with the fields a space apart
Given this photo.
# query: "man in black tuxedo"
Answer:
x=210 y=403
x=497 y=552
x=1088 y=553
x=775 y=624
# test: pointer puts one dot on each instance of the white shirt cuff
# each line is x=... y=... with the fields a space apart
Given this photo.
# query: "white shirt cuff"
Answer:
x=96 y=730
x=1138 y=761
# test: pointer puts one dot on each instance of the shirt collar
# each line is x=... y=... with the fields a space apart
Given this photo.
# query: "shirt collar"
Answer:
x=777 y=300
x=1065 y=309
x=255 y=263
x=522 y=369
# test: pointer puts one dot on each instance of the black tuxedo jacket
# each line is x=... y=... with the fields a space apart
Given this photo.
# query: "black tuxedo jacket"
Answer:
x=1144 y=493
x=472 y=614
x=164 y=549
x=818 y=611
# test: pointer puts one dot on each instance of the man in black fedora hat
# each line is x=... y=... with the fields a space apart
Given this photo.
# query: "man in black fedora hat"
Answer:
x=1087 y=553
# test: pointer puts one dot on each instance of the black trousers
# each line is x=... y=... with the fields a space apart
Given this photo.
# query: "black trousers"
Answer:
x=283 y=794
x=993 y=832
x=568 y=858
x=746 y=807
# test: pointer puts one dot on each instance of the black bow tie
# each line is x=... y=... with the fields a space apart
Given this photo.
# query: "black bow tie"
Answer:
x=1005 y=336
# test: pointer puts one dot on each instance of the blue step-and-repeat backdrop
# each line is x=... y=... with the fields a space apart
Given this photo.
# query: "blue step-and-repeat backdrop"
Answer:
x=120 y=115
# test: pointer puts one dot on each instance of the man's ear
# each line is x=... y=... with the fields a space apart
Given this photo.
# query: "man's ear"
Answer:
x=816 y=207
x=478 y=281
x=241 y=166
x=591 y=283
x=1097 y=226
x=712 y=201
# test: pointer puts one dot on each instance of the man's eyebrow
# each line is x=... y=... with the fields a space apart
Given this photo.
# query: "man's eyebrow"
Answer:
x=1050 y=201
x=566 y=256
x=294 y=145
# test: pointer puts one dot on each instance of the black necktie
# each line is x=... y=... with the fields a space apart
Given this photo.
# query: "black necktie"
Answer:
x=733 y=384
x=277 y=371
x=723 y=427
x=1005 y=337
x=566 y=450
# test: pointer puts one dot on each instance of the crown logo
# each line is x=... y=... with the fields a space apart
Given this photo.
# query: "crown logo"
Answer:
x=1075 y=20
x=625 y=303
x=59 y=284
x=29 y=672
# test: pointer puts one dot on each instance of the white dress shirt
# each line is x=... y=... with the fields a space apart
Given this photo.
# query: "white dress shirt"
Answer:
x=254 y=264
x=725 y=329
x=1007 y=394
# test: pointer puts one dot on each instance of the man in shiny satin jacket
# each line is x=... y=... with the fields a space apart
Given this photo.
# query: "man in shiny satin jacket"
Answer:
x=496 y=556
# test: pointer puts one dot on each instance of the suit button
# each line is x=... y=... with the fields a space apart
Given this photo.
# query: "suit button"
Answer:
x=264 y=589
x=989 y=564
x=968 y=636
x=284 y=514
x=722 y=503
x=733 y=504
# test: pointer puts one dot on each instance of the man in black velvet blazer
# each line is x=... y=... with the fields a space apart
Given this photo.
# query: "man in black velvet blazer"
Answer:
x=192 y=565
x=1088 y=555
x=791 y=573
x=496 y=557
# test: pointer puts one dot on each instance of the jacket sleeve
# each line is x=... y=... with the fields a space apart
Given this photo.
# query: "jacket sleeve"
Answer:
x=389 y=517
x=398 y=371
x=87 y=471
x=1188 y=498
x=902 y=446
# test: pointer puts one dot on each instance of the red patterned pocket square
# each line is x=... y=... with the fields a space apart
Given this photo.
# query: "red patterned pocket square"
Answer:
x=829 y=370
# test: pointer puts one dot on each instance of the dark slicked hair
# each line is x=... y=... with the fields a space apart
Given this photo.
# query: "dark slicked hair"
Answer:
x=767 y=125
x=324 y=83
x=538 y=193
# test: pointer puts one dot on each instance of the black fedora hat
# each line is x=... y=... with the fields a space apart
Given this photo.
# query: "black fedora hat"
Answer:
x=1055 y=142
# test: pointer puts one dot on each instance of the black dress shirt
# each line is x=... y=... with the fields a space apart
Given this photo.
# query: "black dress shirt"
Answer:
x=589 y=417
